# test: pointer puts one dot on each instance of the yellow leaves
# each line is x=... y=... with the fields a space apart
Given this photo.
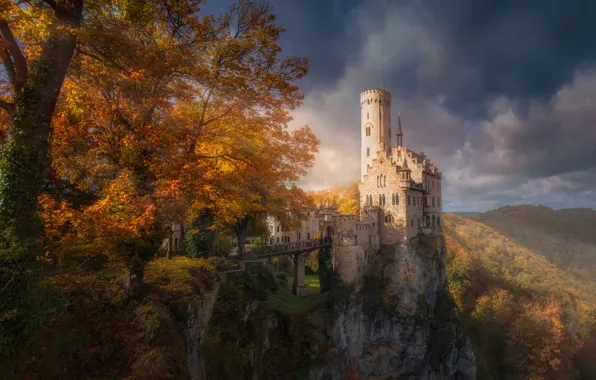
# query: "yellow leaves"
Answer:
x=121 y=214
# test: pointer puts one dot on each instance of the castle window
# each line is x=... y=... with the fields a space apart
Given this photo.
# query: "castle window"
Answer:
x=368 y=131
x=278 y=239
x=433 y=221
x=427 y=221
x=412 y=222
x=298 y=235
x=380 y=199
x=383 y=199
x=277 y=228
x=408 y=200
x=308 y=236
x=396 y=199
x=418 y=222
x=384 y=181
x=433 y=201
x=367 y=152
x=367 y=116
x=393 y=199
x=438 y=221
x=389 y=218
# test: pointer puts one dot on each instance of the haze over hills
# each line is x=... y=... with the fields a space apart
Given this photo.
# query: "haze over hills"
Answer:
x=527 y=317
x=565 y=237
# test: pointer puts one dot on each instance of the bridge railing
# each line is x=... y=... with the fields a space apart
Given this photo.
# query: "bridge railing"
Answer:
x=287 y=248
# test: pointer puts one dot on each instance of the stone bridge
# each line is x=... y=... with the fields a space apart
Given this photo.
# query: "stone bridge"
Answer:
x=298 y=251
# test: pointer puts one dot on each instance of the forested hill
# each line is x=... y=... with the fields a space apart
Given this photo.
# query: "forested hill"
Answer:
x=565 y=237
x=527 y=318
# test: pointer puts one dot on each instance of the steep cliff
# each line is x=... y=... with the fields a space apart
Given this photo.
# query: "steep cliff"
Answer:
x=387 y=316
x=395 y=320
x=400 y=322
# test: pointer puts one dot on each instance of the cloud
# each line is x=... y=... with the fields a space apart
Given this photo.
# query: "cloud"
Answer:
x=484 y=93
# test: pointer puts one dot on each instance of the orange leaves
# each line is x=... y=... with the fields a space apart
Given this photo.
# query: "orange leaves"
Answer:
x=121 y=214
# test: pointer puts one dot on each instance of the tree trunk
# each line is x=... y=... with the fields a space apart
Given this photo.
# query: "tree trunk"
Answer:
x=25 y=158
x=134 y=278
x=170 y=244
x=182 y=245
x=241 y=228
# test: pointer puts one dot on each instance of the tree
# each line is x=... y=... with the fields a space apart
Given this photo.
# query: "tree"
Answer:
x=347 y=199
x=28 y=96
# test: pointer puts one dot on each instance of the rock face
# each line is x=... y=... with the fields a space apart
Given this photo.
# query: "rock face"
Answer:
x=199 y=314
x=400 y=322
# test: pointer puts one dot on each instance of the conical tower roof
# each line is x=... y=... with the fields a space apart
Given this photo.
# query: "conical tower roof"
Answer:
x=404 y=167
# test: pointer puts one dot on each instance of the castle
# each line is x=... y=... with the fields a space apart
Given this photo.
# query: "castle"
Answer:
x=400 y=192
x=400 y=189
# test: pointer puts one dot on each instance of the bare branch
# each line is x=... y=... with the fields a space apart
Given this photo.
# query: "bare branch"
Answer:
x=18 y=59
x=53 y=5
x=9 y=67
x=9 y=107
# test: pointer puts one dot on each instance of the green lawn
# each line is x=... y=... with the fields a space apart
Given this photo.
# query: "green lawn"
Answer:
x=312 y=283
x=287 y=303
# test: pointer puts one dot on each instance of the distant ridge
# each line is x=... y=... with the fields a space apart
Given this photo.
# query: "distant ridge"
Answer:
x=465 y=214
x=565 y=237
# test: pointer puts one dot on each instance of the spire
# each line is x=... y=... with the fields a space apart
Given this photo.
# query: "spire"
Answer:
x=405 y=165
x=399 y=132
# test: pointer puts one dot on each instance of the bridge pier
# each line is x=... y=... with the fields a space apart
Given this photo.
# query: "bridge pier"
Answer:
x=299 y=285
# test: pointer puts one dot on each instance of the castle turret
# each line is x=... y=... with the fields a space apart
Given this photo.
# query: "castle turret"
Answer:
x=400 y=134
x=375 y=111
x=404 y=175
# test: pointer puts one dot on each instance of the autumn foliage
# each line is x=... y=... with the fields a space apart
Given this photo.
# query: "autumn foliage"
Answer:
x=119 y=118
x=527 y=318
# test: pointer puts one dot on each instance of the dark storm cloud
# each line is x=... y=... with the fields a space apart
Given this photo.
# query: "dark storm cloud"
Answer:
x=500 y=94
x=521 y=49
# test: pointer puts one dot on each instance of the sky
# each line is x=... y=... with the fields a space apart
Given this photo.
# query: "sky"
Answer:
x=499 y=94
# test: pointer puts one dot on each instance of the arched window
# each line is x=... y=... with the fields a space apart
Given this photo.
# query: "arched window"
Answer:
x=434 y=221
x=380 y=200
x=389 y=218
x=396 y=199
x=384 y=200
x=384 y=181
x=378 y=181
x=438 y=221
x=368 y=131
x=427 y=224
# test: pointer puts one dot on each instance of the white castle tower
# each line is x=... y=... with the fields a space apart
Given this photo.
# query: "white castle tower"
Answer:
x=375 y=116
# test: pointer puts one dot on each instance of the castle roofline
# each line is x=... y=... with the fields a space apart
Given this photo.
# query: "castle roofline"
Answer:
x=375 y=91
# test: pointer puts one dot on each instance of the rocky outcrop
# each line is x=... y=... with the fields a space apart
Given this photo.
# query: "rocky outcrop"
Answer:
x=401 y=322
x=199 y=314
